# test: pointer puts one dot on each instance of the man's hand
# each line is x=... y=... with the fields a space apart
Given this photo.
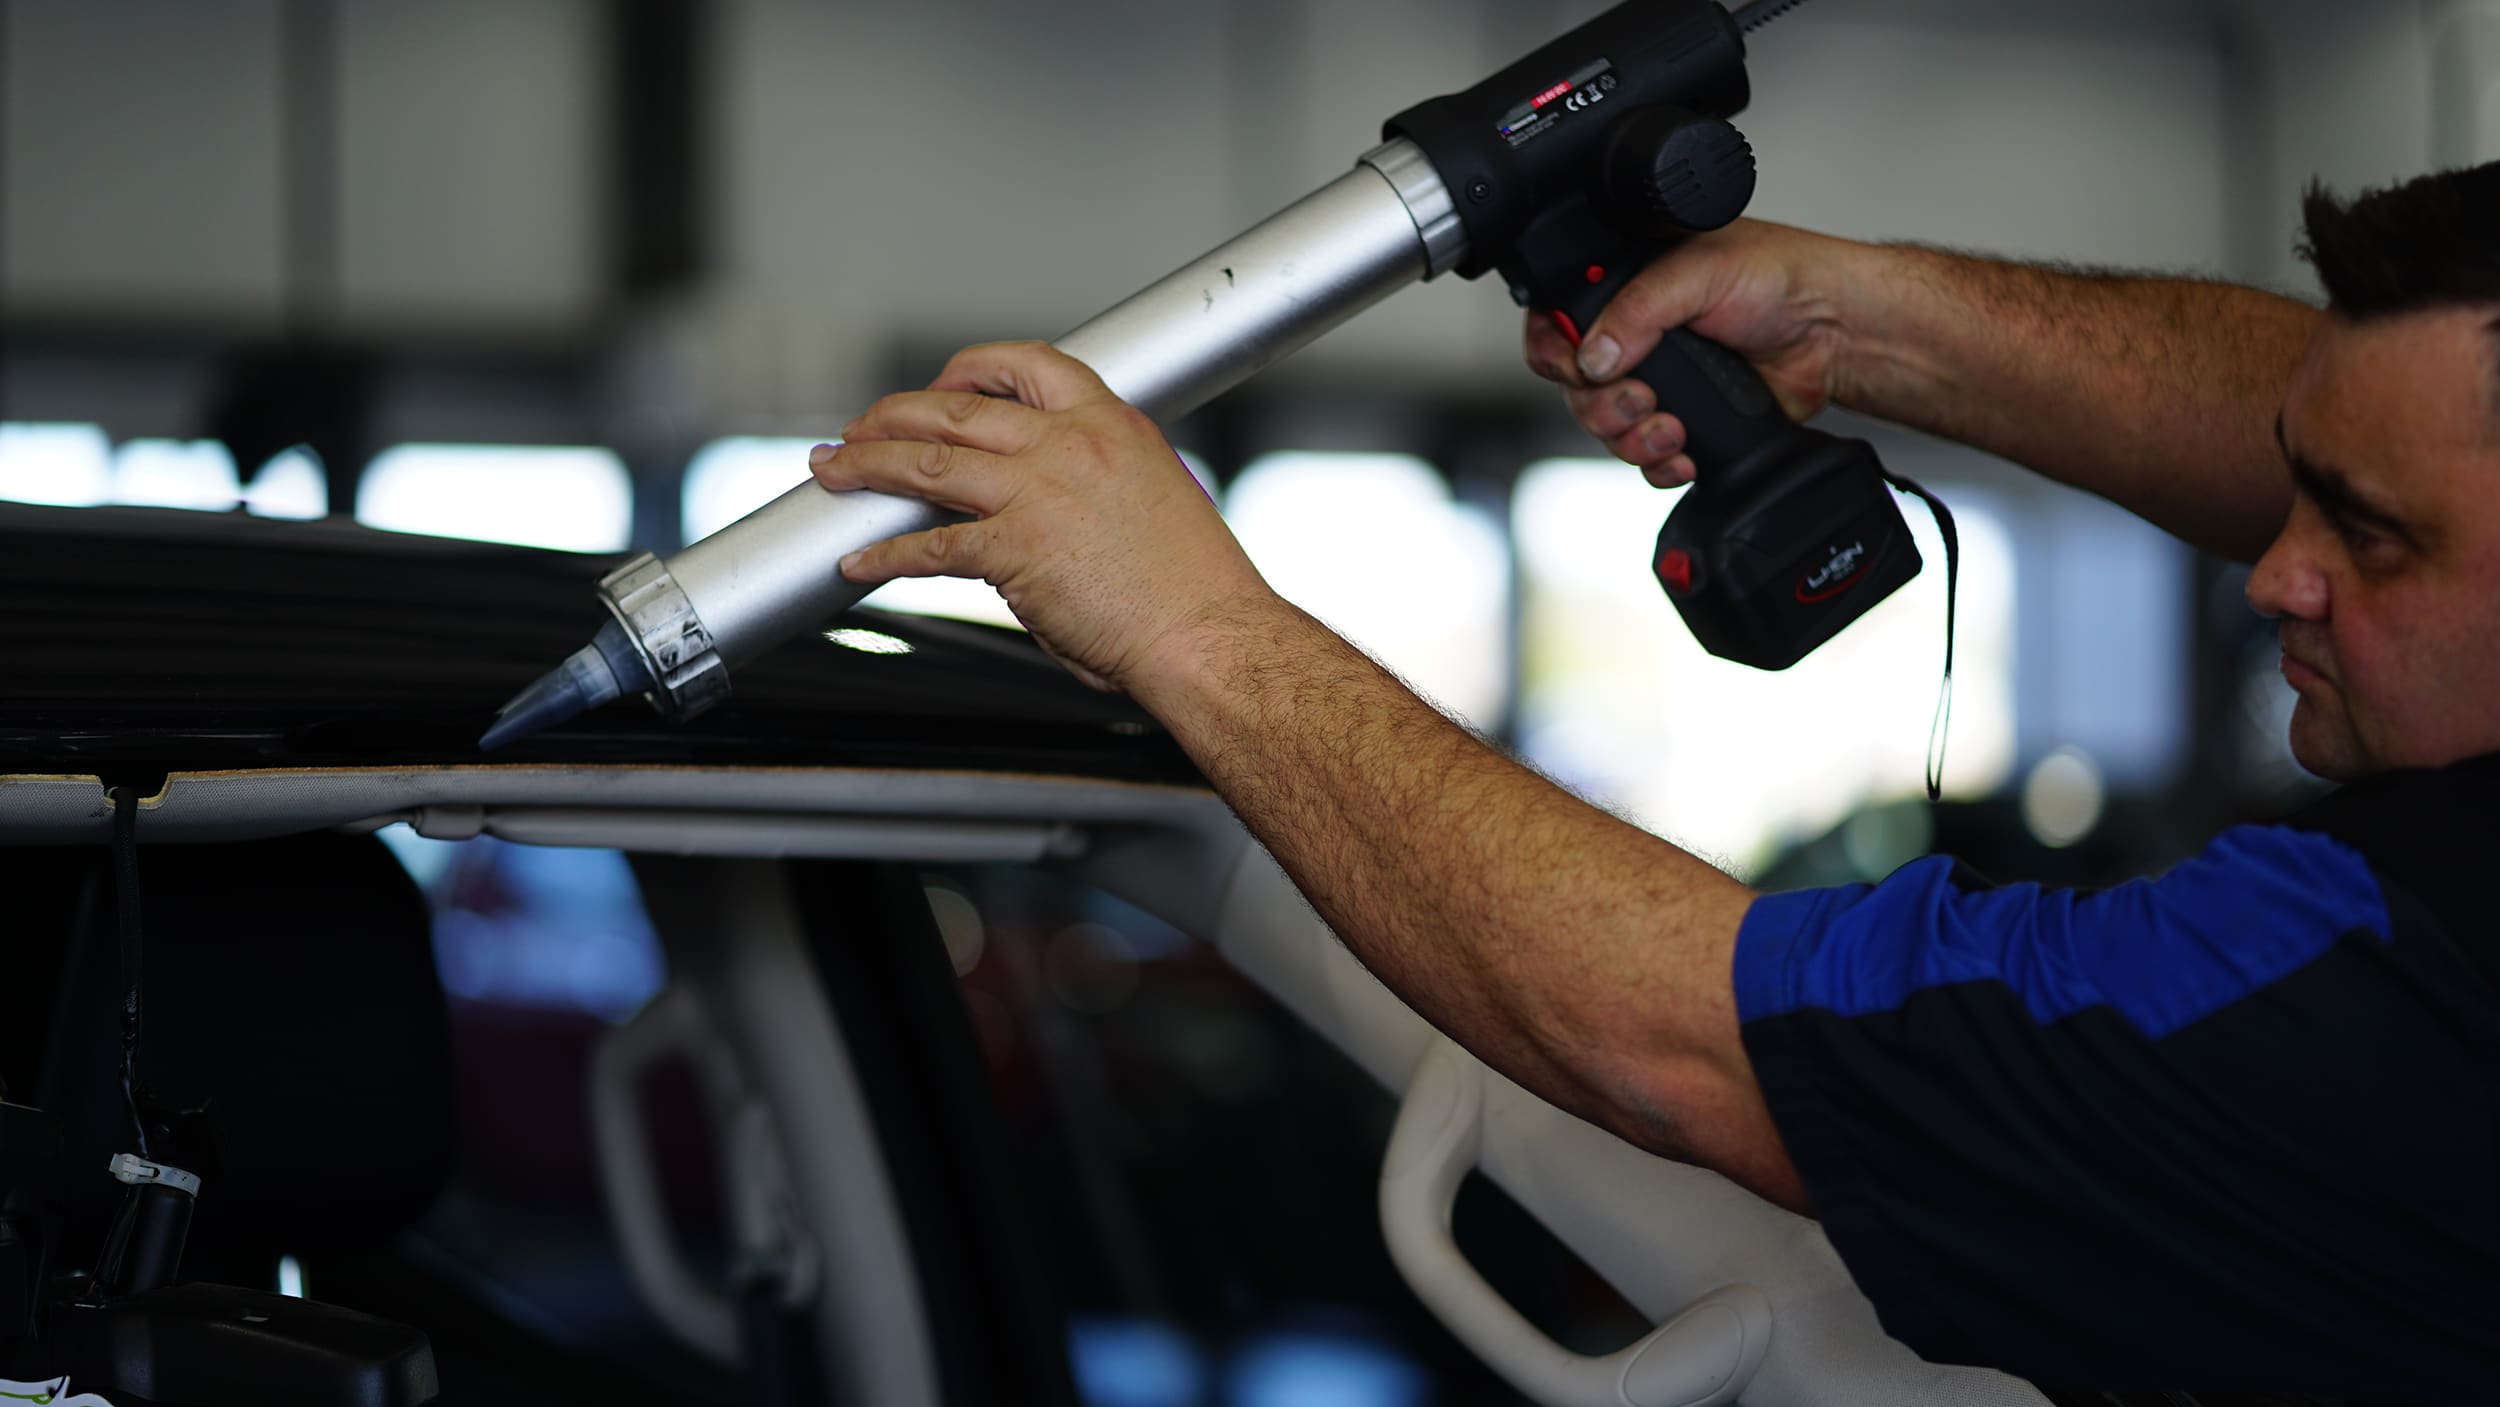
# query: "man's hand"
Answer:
x=1767 y=292
x=2156 y=393
x=1084 y=518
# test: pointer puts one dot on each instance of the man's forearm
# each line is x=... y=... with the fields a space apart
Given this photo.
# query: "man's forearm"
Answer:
x=2158 y=394
x=1582 y=957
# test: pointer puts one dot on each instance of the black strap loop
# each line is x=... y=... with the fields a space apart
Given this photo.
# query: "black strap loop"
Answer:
x=1938 y=732
x=126 y=915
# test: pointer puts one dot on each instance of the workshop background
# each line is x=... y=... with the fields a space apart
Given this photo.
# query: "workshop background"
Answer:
x=592 y=274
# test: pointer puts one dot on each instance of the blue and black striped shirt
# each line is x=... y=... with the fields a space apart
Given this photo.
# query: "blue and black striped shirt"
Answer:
x=2236 y=1128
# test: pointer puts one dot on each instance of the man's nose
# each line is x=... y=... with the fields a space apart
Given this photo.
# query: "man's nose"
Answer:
x=2287 y=582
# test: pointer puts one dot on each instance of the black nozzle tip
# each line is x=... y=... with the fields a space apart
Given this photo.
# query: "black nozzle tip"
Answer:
x=571 y=689
x=513 y=724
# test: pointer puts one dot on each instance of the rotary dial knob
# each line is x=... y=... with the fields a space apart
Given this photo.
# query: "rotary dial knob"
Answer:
x=1670 y=173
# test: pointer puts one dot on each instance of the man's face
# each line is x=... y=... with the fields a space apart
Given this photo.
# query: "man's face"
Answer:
x=2386 y=577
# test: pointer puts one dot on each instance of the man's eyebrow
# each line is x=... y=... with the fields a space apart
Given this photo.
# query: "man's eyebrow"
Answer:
x=2335 y=493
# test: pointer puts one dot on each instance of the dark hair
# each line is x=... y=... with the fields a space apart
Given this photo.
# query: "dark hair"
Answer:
x=2432 y=242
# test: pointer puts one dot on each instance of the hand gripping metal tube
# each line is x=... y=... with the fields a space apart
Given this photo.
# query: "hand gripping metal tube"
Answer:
x=1173 y=347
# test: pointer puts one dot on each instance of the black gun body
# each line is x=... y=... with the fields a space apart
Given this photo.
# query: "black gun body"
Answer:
x=1576 y=168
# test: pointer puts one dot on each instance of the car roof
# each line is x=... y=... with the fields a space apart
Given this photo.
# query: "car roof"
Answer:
x=147 y=641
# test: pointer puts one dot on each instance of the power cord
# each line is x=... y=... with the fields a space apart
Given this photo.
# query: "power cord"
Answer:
x=126 y=916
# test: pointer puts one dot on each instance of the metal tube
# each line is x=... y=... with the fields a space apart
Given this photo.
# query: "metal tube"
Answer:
x=1251 y=302
x=1178 y=344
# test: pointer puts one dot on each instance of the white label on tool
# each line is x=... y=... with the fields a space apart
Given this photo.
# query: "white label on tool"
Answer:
x=1541 y=111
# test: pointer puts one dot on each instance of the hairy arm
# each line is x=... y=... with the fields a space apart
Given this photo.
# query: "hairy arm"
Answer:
x=1583 y=958
x=2159 y=394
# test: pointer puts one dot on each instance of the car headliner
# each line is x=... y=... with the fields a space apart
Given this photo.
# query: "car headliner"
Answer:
x=145 y=641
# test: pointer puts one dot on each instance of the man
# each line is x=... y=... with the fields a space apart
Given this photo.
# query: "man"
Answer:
x=2230 y=1129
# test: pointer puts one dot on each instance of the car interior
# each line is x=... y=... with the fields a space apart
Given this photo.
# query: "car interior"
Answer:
x=799 y=1168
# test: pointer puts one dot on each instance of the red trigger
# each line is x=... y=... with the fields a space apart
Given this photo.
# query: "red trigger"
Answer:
x=1569 y=328
x=1675 y=568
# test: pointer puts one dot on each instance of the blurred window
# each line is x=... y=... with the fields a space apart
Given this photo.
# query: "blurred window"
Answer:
x=290 y=485
x=572 y=497
x=75 y=465
x=535 y=926
x=55 y=463
x=1375 y=545
x=2106 y=608
x=1618 y=702
x=176 y=474
x=540 y=950
x=728 y=479
x=1135 y=1363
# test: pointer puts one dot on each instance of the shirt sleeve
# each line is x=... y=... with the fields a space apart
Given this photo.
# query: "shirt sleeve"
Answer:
x=2223 y=1130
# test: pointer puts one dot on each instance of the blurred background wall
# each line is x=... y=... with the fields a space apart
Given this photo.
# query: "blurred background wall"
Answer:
x=593 y=273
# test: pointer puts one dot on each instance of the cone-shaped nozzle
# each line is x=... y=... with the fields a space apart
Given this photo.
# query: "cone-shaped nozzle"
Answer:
x=583 y=682
x=571 y=689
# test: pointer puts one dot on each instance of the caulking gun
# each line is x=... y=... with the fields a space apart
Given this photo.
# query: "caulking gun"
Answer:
x=1566 y=173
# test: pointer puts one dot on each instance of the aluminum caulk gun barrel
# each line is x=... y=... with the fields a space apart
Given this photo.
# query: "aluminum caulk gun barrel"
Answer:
x=1567 y=173
x=682 y=625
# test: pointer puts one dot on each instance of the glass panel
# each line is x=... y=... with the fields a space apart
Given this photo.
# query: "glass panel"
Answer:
x=176 y=474
x=2105 y=647
x=535 y=926
x=54 y=463
x=540 y=950
x=290 y=485
x=571 y=497
x=77 y=465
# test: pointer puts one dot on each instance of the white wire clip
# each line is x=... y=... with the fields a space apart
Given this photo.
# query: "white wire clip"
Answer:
x=139 y=1172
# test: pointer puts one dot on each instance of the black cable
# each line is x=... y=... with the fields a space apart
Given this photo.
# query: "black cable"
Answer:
x=1938 y=731
x=63 y=1041
x=126 y=913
